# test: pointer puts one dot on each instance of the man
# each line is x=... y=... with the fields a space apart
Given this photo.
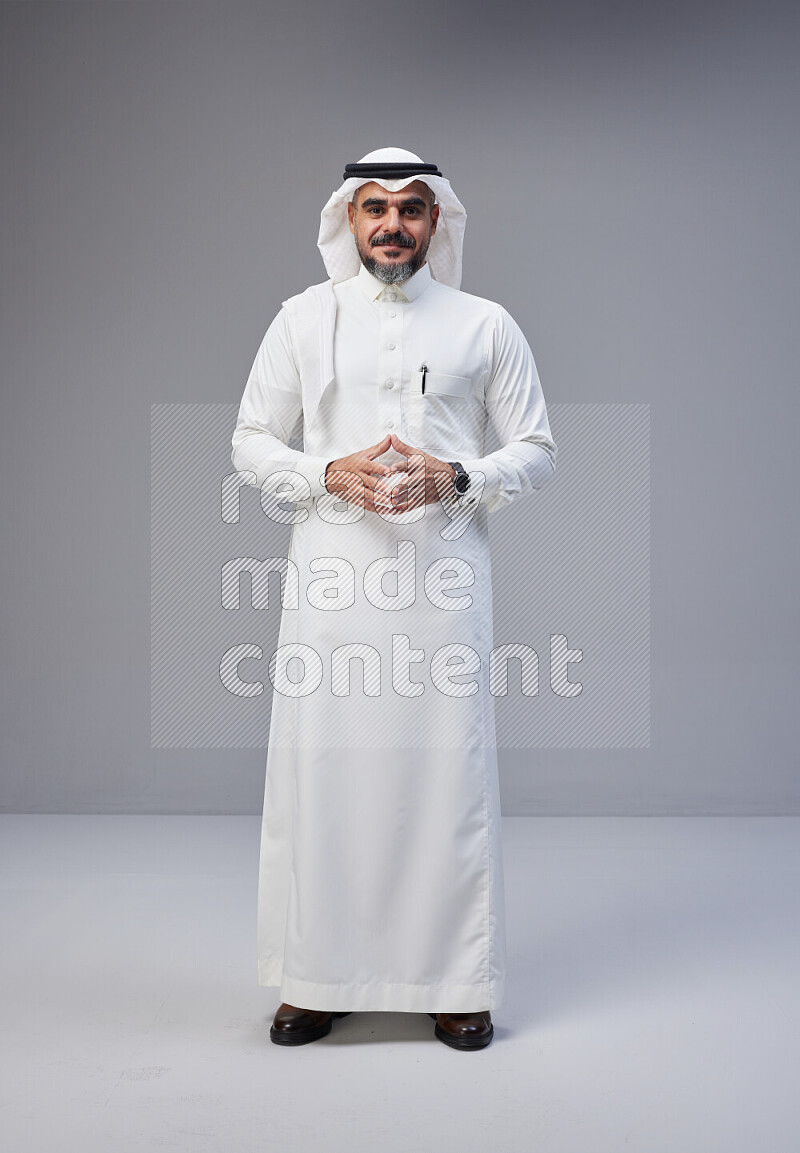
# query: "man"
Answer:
x=381 y=882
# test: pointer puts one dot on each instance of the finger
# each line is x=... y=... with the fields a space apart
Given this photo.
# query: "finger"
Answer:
x=366 y=476
x=350 y=487
x=416 y=469
x=401 y=446
x=358 y=491
x=339 y=474
x=410 y=488
x=380 y=447
x=380 y=503
x=342 y=481
x=372 y=481
x=373 y=468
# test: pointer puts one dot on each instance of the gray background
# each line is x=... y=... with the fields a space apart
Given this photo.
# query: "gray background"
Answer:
x=631 y=176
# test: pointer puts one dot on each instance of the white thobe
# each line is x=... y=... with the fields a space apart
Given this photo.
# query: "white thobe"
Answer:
x=381 y=880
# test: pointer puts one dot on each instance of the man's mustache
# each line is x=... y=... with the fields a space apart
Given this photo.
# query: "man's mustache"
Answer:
x=392 y=240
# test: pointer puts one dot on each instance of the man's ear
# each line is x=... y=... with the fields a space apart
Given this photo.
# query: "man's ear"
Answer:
x=434 y=217
x=351 y=215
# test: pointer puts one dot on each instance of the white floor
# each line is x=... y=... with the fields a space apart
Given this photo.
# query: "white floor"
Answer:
x=653 y=1001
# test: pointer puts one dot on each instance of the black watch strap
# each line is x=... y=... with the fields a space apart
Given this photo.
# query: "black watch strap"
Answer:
x=461 y=481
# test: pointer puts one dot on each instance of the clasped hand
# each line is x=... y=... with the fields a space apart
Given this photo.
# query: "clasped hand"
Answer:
x=363 y=481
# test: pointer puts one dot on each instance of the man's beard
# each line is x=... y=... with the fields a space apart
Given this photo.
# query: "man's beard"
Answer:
x=393 y=273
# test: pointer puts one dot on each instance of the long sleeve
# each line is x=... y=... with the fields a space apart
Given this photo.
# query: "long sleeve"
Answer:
x=526 y=460
x=269 y=411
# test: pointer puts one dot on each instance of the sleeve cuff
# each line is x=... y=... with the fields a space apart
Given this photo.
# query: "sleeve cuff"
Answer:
x=313 y=469
x=485 y=480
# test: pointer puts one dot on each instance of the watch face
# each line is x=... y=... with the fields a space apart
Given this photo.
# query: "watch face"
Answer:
x=461 y=482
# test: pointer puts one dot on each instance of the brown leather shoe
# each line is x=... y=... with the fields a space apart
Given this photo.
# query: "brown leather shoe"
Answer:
x=464 y=1030
x=293 y=1026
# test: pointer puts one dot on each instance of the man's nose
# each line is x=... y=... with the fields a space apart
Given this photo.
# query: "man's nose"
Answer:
x=394 y=221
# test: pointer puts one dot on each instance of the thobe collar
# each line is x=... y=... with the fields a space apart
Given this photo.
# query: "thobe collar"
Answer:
x=406 y=292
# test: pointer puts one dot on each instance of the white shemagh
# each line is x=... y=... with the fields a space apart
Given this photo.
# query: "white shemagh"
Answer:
x=314 y=311
x=337 y=244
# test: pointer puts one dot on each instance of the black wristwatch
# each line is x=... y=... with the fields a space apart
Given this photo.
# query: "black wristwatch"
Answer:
x=462 y=479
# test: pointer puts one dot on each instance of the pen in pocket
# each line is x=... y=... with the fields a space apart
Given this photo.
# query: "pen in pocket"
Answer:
x=423 y=370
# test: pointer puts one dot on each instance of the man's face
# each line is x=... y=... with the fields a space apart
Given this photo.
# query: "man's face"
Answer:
x=393 y=230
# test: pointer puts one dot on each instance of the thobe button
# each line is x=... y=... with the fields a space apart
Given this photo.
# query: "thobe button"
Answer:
x=389 y=384
x=392 y=296
x=392 y=347
x=390 y=424
x=392 y=312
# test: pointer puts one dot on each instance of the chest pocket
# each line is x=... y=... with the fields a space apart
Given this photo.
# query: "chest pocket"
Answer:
x=437 y=383
x=435 y=419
